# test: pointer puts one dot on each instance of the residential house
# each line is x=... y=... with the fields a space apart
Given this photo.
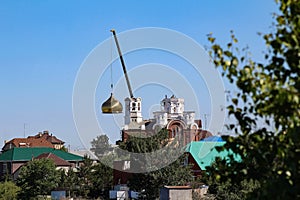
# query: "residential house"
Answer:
x=202 y=154
x=42 y=139
x=13 y=159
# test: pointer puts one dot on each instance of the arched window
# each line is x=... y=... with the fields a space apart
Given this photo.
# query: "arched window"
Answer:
x=173 y=134
x=174 y=131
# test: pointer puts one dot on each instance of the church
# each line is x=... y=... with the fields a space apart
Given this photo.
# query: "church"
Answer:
x=172 y=116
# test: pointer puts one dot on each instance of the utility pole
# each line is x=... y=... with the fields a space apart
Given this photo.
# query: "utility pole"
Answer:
x=24 y=127
x=205 y=121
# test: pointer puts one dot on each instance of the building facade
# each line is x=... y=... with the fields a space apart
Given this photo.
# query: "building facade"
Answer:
x=172 y=116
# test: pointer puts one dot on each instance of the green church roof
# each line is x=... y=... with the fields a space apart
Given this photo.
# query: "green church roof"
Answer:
x=25 y=154
x=205 y=153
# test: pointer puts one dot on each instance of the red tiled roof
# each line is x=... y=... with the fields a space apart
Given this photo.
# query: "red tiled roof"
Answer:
x=51 y=138
x=55 y=140
x=59 y=162
x=29 y=142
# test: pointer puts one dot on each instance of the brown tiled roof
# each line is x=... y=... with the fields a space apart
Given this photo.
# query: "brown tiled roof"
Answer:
x=59 y=162
x=29 y=142
x=51 y=138
x=55 y=140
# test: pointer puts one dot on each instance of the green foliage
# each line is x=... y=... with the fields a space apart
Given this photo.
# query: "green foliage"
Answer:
x=148 y=184
x=230 y=191
x=84 y=175
x=90 y=180
x=100 y=145
x=145 y=145
x=69 y=181
x=37 y=177
x=8 y=190
x=102 y=181
x=267 y=111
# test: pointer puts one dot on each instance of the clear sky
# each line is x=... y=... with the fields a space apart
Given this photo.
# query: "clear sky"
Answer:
x=43 y=44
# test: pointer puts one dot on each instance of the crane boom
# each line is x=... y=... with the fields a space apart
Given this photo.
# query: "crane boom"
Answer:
x=123 y=63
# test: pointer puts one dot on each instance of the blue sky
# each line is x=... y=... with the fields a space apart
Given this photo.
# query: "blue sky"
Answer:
x=43 y=44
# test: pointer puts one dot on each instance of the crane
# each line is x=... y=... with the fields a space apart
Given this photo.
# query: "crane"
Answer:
x=122 y=63
x=112 y=105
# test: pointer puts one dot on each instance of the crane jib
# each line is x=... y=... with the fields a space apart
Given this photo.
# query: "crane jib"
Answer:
x=122 y=63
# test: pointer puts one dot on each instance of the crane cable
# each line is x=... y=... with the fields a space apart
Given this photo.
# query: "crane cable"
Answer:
x=111 y=71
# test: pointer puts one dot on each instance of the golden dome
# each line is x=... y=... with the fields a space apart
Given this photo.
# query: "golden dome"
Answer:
x=112 y=105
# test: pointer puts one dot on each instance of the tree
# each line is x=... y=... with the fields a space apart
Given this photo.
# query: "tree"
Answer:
x=8 y=190
x=100 y=145
x=84 y=175
x=69 y=181
x=90 y=180
x=149 y=183
x=267 y=112
x=102 y=181
x=37 y=177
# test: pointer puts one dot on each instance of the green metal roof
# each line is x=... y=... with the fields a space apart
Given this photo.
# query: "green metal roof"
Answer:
x=205 y=153
x=25 y=154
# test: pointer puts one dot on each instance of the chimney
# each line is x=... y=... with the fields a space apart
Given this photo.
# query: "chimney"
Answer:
x=46 y=132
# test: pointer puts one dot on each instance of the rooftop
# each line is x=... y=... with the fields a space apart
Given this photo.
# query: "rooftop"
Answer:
x=57 y=160
x=28 y=142
x=204 y=152
x=49 y=137
x=26 y=154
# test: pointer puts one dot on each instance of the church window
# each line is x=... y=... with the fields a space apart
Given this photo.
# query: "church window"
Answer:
x=173 y=134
